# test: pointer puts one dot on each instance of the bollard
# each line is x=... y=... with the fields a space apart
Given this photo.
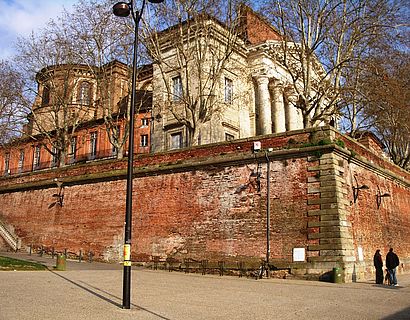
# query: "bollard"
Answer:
x=30 y=249
x=61 y=262
x=65 y=253
x=337 y=275
x=221 y=266
x=80 y=257
x=52 y=253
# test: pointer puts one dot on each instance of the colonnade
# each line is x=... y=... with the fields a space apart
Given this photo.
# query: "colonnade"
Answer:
x=275 y=114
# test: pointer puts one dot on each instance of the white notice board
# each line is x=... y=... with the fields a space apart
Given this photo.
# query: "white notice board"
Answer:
x=298 y=254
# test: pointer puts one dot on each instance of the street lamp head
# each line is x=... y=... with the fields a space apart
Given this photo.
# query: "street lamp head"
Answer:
x=121 y=9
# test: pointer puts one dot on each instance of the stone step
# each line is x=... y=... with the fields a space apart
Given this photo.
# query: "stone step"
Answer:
x=13 y=241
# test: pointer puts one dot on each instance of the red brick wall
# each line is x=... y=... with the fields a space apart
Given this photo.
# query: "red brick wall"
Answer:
x=378 y=228
x=255 y=28
x=212 y=213
x=204 y=202
x=370 y=142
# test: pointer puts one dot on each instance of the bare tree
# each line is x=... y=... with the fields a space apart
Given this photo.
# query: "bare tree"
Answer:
x=386 y=86
x=322 y=39
x=192 y=53
x=79 y=47
x=100 y=40
x=353 y=100
x=392 y=39
x=58 y=109
x=12 y=102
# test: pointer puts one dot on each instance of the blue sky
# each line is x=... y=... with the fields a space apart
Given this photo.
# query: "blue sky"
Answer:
x=21 y=17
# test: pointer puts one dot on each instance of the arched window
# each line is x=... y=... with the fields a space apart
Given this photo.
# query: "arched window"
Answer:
x=84 y=93
x=45 y=98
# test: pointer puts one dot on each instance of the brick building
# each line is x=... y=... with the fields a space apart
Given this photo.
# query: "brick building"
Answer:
x=211 y=200
x=79 y=113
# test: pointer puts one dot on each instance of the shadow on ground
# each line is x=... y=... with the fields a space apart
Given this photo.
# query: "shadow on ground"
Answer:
x=103 y=295
x=400 y=315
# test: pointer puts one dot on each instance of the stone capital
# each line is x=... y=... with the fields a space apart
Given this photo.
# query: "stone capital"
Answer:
x=276 y=85
x=262 y=79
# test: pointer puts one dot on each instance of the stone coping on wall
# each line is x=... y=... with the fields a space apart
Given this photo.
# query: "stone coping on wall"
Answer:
x=188 y=165
x=358 y=152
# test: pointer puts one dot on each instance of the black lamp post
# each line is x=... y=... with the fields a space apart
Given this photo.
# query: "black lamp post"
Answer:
x=123 y=9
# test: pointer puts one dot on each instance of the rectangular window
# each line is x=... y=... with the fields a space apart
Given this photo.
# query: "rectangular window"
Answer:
x=124 y=88
x=73 y=148
x=144 y=140
x=93 y=144
x=229 y=137
x=36 y=159
x=228 y=90
x=21 y=161
x=54 y=156
x=176 y=88
x=144 y=122
x=176 y=140
x=7 y=163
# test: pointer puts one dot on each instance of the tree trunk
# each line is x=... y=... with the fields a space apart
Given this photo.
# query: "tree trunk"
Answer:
x=120 y=152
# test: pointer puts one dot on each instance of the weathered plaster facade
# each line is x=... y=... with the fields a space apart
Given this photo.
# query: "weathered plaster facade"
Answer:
x=262 y=101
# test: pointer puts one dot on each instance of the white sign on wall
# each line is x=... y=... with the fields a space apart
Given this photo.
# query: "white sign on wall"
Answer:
x=360 y=253
x=298 y=254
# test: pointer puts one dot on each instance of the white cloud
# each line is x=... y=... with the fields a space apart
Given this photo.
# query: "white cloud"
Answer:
x=21 y=17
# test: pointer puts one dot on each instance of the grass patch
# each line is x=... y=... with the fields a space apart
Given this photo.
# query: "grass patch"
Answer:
x=10 y=264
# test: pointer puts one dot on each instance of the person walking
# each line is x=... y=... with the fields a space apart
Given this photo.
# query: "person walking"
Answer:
x=378 y=264
x=392 y=262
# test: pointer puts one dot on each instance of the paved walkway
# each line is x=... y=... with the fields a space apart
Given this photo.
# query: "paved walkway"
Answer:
x=94 y=290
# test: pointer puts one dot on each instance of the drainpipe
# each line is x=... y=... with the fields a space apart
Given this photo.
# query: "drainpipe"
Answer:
x=267 y=211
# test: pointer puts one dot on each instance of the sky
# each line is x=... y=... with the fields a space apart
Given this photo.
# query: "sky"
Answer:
x=21 y=17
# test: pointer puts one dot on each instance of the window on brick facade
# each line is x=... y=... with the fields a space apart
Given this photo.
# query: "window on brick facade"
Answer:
x=73 y=148
x=228 y=90
x=144 y=122
x=176 y=88
x=115 y=138
x=7 y=163
x=21 y=161
x=144 y=140
x=84 y=93
x=36 y=158
x=54 y=156
x=93 y=144
x=45 y=97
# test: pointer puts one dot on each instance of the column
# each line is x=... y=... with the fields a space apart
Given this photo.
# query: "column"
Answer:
x=293 y=113
x=278 y=110
x=265 y=113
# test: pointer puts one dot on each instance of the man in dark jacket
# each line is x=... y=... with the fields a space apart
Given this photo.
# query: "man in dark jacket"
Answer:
x=392 y=262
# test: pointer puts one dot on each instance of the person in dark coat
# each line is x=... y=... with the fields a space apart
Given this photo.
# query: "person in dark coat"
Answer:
x=392 y=262
x=378 y=264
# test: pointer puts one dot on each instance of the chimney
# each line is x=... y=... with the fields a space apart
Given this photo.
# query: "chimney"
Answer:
x=255 y=29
